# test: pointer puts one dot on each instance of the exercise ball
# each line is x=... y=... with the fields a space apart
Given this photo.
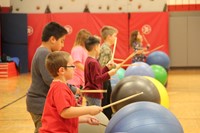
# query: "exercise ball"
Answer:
x=114 y=80
x=121 y=73
x=86 y=128
x=158 y=58
x=140 y=69
x=132 y=85
x=144 y=117
x=159 y=73
x=164 y=98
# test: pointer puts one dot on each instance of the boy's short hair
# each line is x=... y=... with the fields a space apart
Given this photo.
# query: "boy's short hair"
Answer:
x=53 y=29
x=108 y=30
x=91 y=42
x=55 y=60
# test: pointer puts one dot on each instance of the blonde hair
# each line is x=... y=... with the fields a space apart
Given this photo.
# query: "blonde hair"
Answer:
x=82 y=35
x=108 y=30
x=55 y=60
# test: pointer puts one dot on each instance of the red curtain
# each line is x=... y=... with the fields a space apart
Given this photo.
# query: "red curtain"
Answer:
x=75 y=22
x=125 y=23
x=153 y=27
x=119 y=21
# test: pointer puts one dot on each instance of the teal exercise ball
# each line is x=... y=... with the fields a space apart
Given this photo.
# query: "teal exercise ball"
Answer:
x=121 y=73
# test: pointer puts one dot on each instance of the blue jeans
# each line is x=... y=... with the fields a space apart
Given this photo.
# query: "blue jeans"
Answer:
x=93 y=101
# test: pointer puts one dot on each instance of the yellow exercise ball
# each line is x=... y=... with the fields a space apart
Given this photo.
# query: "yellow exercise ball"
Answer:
x=164 y=98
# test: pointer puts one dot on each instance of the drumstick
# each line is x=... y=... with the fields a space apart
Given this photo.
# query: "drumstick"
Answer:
x=129 y=57
x=118 y=59
x=154 y=49
x=122 y=100
x=93 y=91
x=102 y=124
x=114 y=49
x=131 y=65
x=145 y=39
x=124 y=60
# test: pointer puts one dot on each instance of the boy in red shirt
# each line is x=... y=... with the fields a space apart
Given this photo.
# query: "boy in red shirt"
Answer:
x=60 y=111
x=94 y=74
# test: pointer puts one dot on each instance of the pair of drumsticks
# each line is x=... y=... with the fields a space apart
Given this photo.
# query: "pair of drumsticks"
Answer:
x=121 y=64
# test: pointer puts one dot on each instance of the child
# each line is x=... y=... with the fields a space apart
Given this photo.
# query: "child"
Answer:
x=60 y=111
x=53 y=38
x=79 y=55
x=94 y=74
x=109 y=35
x=136 y=43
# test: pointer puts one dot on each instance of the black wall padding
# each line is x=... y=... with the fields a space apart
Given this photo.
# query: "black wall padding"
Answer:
x=14 y=38
x=14 y=28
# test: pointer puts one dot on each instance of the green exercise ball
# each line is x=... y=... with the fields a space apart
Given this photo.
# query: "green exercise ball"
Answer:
x=160 y=73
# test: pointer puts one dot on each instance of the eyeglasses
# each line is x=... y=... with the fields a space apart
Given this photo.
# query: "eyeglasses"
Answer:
x=69 y=66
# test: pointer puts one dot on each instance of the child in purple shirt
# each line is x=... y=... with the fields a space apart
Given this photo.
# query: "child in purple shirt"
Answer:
x=93 y=73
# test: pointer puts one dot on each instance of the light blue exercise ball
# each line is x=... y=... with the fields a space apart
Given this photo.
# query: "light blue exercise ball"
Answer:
x=139 y=69
x=144 y=117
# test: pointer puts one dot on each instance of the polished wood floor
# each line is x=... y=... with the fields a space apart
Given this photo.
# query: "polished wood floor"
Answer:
x=183 y=88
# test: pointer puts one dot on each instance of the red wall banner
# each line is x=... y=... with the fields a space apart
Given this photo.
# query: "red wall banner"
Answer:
x=73 y=22
x=153 y=27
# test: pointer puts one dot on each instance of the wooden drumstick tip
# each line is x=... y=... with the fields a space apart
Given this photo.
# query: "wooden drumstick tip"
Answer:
x=103 y=124
x=122 y=100
x=114 y=49
x=93 y=91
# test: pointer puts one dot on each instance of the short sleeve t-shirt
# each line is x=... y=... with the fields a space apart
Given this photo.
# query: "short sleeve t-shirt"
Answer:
x=59 y=98
x=79 y=54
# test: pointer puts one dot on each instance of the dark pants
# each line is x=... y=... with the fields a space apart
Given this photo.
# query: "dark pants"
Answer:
x=37 y=121
x=106 y=98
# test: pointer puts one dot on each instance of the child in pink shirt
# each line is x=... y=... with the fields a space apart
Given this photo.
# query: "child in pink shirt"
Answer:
x=79 y=55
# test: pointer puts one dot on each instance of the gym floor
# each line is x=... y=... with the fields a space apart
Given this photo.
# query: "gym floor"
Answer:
x=183 y=89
